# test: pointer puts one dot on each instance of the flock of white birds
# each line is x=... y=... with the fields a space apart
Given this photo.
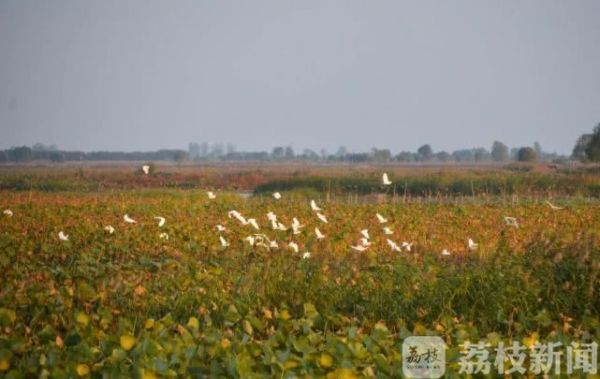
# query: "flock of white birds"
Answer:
x=260 y=239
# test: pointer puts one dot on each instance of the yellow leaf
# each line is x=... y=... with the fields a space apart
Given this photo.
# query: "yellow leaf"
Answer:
x=149 y=324
x=285 y=315
x=83 y=369
x=127 y=342
x=193 y=323
x=148 y=375
x=82 y=319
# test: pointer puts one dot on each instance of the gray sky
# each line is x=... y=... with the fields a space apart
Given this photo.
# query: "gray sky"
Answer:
x=141 y=75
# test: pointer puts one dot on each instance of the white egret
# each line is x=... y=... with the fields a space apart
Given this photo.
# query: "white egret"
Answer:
x=322 y=217
x=385 y=179
x=129 y=220
x=293 y=246
x=224 y=243
x=146 y=169
x=276 y=195
x=387 y=231
x=220 y=228
x=254 y=224
x=393 y=245
x=271 y=216
x=381 y=219
x=7 y=212
x=250 y=240
x=553 y=207
x=273 y=245
x=365 y=233
x=306 y=255
x=406 y=245
x=62 y=236
x=161 y=221
x=163 y=236
x=211 y=195
x=511 y=221
x=472 y=245
x=365 y=242
x=320 y=235
x=313 y=206
x=446 y=253
x=109 y=229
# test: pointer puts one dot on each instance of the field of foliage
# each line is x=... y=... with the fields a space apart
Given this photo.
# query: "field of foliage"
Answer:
x=169 y=301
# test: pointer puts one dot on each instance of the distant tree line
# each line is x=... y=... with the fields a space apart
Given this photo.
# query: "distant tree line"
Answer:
x=39 y=152
x=587 y=147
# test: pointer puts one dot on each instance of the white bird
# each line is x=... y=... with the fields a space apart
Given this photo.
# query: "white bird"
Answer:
x=293 y=246
x=223 y=242
x=163 y=236
x=296 y=225
x=406 y=245
x=273 y=245
x=511 y=221
x=393 y=245
x=365 y=242
x=233 y=213
x=387 y=231
x=554 y=207
x=109 y=229
x=8 y=212
x=62 y=236
x=384 y=178
x=381 y=219
x=129 y=220
x=220 y=228
x=146 y=169
x=365 y=233
x=271 y=216
x=250 y=240
x=472 y=245
x=254 y=224
x=211 y=195
x=306 y=255
x=276 y=195
x=314 y=206
x=281 y=227
x=446 y=253
x=320 y=235
x=358 y=248
x=241 y=219
x=322 y=217
x=161 y=221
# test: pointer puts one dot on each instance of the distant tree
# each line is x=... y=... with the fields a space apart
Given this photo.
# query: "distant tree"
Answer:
x=194 y=150
x=443 y=156
x=56 y=156
x=3 y=156
x=341 y=152
x=538 y=148
x=310 y=155
x=592 y=150
x=499 y=151
x=579 y=150
x=324 y=153
x=481 y=154
x=425 y=153
x=381 y=155
x=277 y=152
x=527 y=154
x=22 y=154
x=405 y=156
x=180 y=156
x=289 y=153
x=464 y=155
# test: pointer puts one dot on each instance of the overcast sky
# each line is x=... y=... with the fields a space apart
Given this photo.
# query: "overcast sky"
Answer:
x=141 y=75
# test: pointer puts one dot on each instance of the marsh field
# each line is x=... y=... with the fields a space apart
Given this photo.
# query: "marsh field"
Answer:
x=116 y=298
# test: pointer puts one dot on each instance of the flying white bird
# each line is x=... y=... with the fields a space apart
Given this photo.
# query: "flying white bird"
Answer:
x=223 y=242
x=322 y=217
x=393 y=245
x=406 y=245
x=276 y=195
x=250 y=240
x=446 y=253
x=365 y=242
x=220 y=228
x=358 y=248
x=365 y=233
x=161 y=221
x=211 y=195
x=314 y=206
x=387 y=231
x=511 y=221
x=381 y=219
x=233 y=213
x=62 y=236
x=163 y=236
x=129 y=220
x=146 y=169
x=109 y=229
x=306 y=255
x=293 y=246
x=254 y=224
x=554 y=207
x=320 y=235
x=386 y=181
x=296 y=225
x=8 y=212
x=472 y=245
